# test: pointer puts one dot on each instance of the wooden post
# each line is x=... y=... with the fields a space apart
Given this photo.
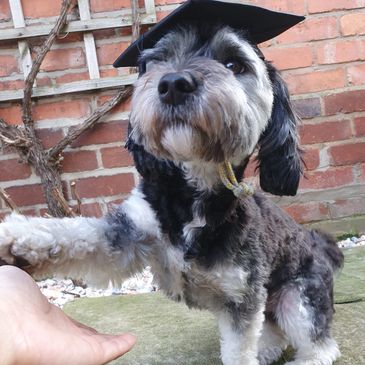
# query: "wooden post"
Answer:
x=89 y=41
x=19 y=22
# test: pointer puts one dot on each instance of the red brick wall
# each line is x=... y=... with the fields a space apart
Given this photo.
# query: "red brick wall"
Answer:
x=322 y=60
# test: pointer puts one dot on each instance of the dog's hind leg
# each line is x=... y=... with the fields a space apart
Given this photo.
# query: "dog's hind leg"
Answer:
x=272 y=343
x=95 y=250
x=304 y=312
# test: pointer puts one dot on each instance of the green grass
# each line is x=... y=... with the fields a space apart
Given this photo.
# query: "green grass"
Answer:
x=345 y=236
x=169 y=333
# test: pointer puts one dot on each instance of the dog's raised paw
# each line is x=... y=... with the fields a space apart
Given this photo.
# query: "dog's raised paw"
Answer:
x=21 y=244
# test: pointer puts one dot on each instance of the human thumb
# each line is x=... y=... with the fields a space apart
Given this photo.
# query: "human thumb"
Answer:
x=115 y=346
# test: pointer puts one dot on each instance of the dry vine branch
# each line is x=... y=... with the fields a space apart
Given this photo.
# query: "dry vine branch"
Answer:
x=41 y=54
x=25 y=140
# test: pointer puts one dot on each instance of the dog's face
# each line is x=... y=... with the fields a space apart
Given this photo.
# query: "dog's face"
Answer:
x=207 y=96
x=201 y=99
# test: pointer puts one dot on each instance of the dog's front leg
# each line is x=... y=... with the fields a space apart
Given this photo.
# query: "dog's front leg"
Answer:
x=95 y=250
x=239 y=337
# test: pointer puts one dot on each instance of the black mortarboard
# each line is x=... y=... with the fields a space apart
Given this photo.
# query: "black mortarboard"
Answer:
x=261 y=24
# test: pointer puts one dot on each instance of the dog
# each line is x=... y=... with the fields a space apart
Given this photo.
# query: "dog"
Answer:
x=206 y=98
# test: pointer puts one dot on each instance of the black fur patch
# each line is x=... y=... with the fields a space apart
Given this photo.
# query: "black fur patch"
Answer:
x=279 y=154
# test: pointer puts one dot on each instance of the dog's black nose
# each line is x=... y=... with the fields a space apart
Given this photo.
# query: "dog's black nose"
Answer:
x=174 y=88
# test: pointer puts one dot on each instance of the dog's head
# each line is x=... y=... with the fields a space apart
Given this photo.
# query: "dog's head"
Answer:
x=206 y=94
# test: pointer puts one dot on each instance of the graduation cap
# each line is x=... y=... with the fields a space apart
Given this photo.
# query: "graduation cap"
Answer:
x=261 y=24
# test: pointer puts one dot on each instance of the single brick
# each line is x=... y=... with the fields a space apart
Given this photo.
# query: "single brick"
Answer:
x=11 y=85
x=307 y=108
x=341 y=51
x=116 y=157
x=78 y=108
x=93 y=187
x=296 y=7
x=347 y=154
x=8 y=65
x=330 y=178
x=112 y=72
x=325 y=132
x=347 y=208
x=103 y=133
x=49 y=137
x=312 y=29
x=289 y=58
x=5 y=10
x=72 y=77
x=120 y=108
x=321 y=6
x=44 y=81
x=90 y=210
x=308 y=212
x=63 y=59
x=11 y=114
x=311 y=82
x=41 y=9
x=108 y=53
x=79 y=161
x=166 y=2
x=26 y=194
x=13 y=170
x=162 y=14
x=353 y=24
x=345 y=102
x=105 y=34
x=98 y=6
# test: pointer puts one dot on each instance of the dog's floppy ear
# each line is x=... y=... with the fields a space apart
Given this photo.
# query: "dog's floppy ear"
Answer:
x=279 y=155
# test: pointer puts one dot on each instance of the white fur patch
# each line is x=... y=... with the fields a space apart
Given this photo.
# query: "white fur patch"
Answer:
x=324 y=352
x=203 y=175
x=240 y=348
x=141 y=214
x=179 y=142
x=293 y=316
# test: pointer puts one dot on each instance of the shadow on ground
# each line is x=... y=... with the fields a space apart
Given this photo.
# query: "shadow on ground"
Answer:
x=170 y=334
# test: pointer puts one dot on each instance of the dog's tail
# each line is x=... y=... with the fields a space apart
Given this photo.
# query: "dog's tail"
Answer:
x=329 y=247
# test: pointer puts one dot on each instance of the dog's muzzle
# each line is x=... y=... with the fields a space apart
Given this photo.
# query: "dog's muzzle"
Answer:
x=174 y=88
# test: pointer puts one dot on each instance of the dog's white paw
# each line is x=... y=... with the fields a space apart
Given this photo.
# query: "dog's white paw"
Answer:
x=24 y=244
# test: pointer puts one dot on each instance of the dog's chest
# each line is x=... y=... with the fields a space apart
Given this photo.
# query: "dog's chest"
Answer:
x=206 y=288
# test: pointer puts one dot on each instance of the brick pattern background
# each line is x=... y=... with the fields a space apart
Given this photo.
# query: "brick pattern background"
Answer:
x=321 y=59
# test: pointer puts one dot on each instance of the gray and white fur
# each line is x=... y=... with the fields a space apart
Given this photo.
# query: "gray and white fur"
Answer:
x=205 y=95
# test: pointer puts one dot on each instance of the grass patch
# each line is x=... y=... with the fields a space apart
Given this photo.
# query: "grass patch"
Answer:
x=170 y=334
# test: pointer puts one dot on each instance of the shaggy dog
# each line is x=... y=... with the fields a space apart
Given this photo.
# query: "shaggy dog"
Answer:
x=205 y=99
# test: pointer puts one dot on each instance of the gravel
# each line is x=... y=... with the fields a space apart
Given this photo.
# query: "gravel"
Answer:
x=352 y=242
x=59 y=292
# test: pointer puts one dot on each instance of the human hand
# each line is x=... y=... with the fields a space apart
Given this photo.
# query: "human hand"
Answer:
x=35 y=332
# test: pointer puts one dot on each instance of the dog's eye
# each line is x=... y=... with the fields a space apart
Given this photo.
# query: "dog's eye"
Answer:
x=235 y=66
